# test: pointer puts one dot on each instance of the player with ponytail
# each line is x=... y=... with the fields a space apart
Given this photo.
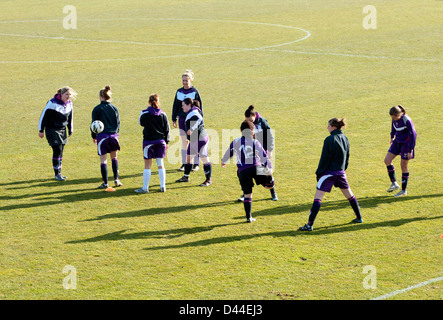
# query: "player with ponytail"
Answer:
x=333 y=162
x=107 y=140
x=403 y=137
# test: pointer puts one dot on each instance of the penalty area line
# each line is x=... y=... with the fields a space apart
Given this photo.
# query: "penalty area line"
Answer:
x=394 y=293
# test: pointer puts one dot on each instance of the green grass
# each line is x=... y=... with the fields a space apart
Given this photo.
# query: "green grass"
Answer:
x=190 y=242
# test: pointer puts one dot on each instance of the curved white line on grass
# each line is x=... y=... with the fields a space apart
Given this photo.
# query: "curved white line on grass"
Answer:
x=386 y=296
x=230 y=49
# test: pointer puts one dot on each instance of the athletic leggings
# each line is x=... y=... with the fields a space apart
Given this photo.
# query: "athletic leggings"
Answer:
x=57 y=157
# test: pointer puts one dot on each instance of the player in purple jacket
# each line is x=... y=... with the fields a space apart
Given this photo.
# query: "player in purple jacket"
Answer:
x=403 y=137
x=155 y=141
x=252 y=164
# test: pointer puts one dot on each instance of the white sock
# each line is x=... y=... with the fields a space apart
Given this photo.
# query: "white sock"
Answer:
x=146 y=178
x=162 y=176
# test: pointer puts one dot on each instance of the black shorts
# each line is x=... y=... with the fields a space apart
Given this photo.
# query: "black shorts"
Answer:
x=247 y=177
x=56 y=137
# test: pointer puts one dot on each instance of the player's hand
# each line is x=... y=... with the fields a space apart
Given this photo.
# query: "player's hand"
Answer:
x=41 y=134
x=223 y=165
x=174 y=124
x=95 y=141
x=409 y=155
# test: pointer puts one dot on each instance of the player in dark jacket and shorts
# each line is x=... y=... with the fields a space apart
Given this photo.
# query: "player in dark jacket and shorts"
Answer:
x=253 y=164
x=198 y=141
x=264 y=135
x=107 y=140
x=403 y=137
x=187 y=91
x=155 y=141
x=334 y=161
x=56 y=121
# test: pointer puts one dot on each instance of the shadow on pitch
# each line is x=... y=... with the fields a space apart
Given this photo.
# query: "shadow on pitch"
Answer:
x=162 y=234
x=364 y=202
x=349 y=227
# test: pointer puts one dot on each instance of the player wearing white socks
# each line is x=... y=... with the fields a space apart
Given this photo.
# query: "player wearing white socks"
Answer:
x=155 y=141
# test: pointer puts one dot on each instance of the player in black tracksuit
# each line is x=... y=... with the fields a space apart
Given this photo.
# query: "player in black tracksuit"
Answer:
x=333 y=162
x=56 y=121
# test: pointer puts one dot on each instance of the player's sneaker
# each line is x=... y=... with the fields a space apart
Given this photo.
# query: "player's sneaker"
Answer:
x=141 y=190
x=206 y=183
x=401 y=193
x=274 y=197
x=306 y=227
x=103 y=186
x=394 y=186
x=162 y=189
x=60 y=177
x=117 y=183
x=182 y=168
x=183 y=179
x=241 y=199
x=195 y=167
x=357 y=220
x=249 y=220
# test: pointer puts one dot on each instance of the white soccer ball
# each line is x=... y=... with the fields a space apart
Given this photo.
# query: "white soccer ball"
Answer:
x=97 y=126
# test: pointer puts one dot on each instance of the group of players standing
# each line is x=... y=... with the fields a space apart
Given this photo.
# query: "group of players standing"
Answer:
x=253 y=149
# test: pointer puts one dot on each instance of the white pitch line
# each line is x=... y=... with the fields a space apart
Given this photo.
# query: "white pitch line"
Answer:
x=229 y=49
x=386 y=296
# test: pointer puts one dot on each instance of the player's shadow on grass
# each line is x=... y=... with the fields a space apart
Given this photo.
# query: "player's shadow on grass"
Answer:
x=161 y=210
x=364 y=202
x=155 y=234
x=22 y=184
x=349 y=227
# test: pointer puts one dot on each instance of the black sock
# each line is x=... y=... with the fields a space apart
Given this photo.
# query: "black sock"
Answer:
x=115 y=168
x=354 y=204
x=208 y=170
x=247 y=203
x=273 y=192
x=104 y=170
x=188 y=168
x=391 y=173
x=404 y=180
x=314 y=210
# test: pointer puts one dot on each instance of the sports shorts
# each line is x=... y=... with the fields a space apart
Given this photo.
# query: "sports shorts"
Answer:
x=198 y=147
x=332 y=178
x=154 y=149
x=401 y=149
x=107 y=142
x=247 y=177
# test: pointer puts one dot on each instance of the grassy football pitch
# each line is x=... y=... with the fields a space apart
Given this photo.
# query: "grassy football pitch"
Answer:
x=300 y=62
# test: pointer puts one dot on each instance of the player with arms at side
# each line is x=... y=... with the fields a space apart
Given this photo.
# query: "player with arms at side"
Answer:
x=403 y=138
x=57 y=116
x=333 y=162
x=252 y=164
x=187 y=91
x=155 y=141
x=107 y=140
